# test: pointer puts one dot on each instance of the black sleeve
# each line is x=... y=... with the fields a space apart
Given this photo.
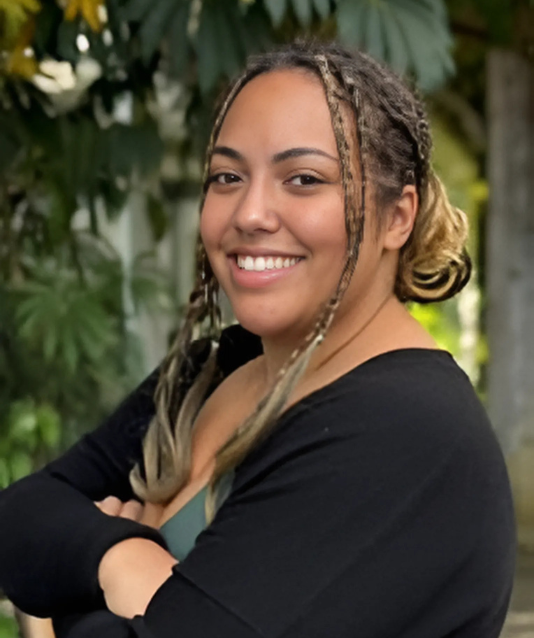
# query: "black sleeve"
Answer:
x=99 y=464
x=52 y=537
x=351 y=520
x=50 y=515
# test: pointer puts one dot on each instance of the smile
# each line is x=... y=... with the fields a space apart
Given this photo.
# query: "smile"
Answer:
x=259 y=264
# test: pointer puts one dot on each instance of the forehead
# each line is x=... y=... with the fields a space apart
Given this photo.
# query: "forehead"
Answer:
x=277 y=110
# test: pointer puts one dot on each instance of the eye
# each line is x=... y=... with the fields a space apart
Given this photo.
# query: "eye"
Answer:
x=223 y=179
x=305 y=179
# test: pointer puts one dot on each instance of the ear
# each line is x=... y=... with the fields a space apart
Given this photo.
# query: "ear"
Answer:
x=401 y=219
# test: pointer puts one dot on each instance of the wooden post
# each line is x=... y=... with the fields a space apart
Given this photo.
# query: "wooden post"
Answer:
x=510 y=271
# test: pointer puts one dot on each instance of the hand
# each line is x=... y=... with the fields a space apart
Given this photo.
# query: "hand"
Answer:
x=147 y=514
x=112 y=506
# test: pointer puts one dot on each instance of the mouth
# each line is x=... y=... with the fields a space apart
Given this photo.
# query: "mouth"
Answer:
x=268 y=262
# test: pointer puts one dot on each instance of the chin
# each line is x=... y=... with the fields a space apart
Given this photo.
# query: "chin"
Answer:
x=271 y=325
x=260 y=327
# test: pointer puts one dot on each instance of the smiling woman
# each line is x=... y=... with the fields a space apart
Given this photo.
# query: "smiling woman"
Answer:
x=271 y=197
x=319 y=469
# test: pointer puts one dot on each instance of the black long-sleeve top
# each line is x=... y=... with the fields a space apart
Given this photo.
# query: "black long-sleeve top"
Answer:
x=379 y=507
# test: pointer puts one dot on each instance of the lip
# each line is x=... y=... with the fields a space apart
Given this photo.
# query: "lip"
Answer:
x=259 y=279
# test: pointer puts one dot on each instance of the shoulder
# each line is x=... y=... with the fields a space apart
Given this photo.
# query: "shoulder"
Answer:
x=414 y=409
x=408 y=386
x=409 y=391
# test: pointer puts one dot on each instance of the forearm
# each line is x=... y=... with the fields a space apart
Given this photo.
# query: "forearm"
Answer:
x=52 y=540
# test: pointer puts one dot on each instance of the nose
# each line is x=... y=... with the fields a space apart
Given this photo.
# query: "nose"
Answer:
x=255 y=210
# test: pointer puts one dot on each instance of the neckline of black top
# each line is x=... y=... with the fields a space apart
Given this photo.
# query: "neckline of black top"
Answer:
x=323 y=394
x=317 y=395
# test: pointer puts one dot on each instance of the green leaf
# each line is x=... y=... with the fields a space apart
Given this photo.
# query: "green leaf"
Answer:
x=66 y=42
x=397 y=47
x=119 y=148
x=37 y=315
x=114 y=198
x=132 y=148
x=256 y=29
x=408 y=34
x=9 y=147
x=8 y=627
x=231 y=42
x=436 y=7
x=136 y=10
x=50 y=17
x=22 y=421
x=29 y=323
x=303 y=11
x=208 y=53
x=147 y=148
x=178 y=39
x=322 y=7
x=84 y=141
x=351 y=20
x=374 y=42
x=277 y=10
x=49 y=425
x=69 y=350
x=427 y=42
x=90 y=326
x=157 y=217
x=50 y=342
x=20 y=465
x=4 y=482
x=154 y=27
x=429 y=15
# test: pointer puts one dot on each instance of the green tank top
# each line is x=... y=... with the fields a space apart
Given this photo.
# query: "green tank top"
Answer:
x=181 y=530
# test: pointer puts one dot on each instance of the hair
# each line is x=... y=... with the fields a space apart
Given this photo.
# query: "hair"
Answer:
x=392 y=148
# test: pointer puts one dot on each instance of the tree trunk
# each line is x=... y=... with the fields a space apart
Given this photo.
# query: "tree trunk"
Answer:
x=510 y=272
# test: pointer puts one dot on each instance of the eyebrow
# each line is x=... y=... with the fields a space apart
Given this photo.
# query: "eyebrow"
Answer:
x=278 y=157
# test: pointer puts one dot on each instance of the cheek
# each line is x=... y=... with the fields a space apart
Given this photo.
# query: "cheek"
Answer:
x=332 y=250
x=204 y=229
x=319 y=220
x=210 y=227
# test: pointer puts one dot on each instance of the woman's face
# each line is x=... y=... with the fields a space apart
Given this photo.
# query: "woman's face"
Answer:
x=273 y=220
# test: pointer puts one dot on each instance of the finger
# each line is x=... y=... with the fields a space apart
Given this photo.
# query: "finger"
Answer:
x=110 y=506
x=132 y=510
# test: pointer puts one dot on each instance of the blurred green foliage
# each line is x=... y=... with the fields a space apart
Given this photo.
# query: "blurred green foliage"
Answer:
x=66 y=352
x=460 y=170
x=8 y=627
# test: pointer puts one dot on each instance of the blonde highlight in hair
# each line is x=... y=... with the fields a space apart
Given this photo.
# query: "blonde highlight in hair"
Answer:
x=392 y=147
x=178 y=398
x=433 y=264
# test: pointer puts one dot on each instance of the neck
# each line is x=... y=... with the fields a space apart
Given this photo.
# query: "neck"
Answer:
x=350 y=329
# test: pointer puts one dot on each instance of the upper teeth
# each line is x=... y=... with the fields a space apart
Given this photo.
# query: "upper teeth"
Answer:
x=265 y=263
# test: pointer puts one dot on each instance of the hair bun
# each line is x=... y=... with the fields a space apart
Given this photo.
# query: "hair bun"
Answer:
x=434 y=263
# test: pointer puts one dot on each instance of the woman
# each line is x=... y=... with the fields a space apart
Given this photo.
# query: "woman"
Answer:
x=351 y=480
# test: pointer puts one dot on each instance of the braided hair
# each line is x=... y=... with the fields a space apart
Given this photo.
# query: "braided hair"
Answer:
x=392 y=147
